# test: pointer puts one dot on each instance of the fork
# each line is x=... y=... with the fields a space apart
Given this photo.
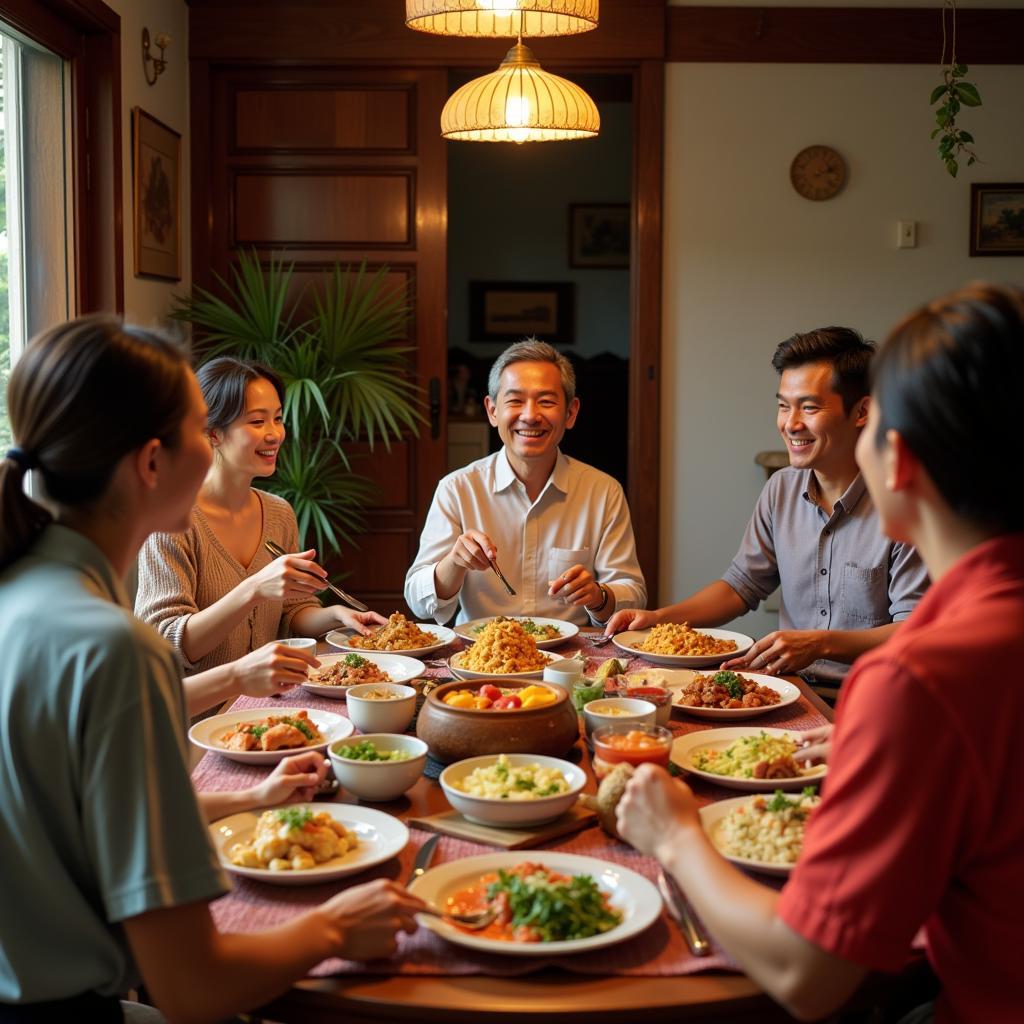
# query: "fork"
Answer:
x=601 y=641
x=475 y=922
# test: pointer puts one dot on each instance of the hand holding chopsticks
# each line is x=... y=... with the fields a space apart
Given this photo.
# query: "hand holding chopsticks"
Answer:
x=475 y=551
x=322 y=583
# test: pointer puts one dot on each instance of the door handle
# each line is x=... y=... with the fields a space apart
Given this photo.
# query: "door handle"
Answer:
x=435 y=407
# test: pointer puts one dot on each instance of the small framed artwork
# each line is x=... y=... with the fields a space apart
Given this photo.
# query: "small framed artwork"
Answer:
x=508 y=311
x=997 y=220
x=156 y=166
x=599 y=235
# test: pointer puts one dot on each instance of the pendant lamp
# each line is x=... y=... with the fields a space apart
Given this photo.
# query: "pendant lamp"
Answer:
x=490 y=18
x=520 y=102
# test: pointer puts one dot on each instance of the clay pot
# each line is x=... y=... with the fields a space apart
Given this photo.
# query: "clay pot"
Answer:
x=455 y=733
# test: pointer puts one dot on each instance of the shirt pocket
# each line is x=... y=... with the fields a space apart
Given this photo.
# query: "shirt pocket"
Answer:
x=561 y=559
x=864 y=596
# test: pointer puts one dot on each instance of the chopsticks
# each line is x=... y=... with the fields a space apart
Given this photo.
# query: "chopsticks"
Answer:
x=277 y=551
x=500 y=575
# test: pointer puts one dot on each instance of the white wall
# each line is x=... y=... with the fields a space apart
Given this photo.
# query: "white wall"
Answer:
x=147 y=300
x=748 y=262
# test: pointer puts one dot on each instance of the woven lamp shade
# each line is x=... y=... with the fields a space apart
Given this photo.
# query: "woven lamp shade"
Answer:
x=491 y=18
x=520 y=102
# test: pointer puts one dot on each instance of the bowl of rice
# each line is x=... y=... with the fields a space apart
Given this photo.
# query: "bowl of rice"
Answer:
x=512 y=790
x=763 y=833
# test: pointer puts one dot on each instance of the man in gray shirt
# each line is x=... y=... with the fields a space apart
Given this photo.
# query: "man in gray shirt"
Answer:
x=815 y=532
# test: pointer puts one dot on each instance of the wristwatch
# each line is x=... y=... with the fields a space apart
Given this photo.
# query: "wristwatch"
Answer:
x=604 y=599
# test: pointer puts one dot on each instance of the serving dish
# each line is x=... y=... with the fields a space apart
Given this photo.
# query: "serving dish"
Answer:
x=380 y=781
x=455 y=733
x=719 y=739
x=206 y=733
x=402 y=669
x=391 y=716
x=637 y=899
x=788 y=694
x=467 y=630
x=380 y=835
x=503 y=813
x=630 y=640
x=465 y=673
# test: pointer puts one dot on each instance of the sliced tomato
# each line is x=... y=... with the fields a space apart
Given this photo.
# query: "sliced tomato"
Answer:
x=490 y=691
x=509 y=703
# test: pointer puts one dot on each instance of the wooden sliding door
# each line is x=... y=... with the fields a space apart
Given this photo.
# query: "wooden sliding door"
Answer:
x=319 y=164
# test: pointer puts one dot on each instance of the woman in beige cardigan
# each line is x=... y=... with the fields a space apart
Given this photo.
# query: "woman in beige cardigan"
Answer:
x=214 y=591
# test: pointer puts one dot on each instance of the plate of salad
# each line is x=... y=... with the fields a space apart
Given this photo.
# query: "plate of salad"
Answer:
x=556 y=904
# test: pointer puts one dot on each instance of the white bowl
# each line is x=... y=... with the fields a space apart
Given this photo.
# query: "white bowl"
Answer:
x=381 y=715
x=512 y=813
x=637 y=712
x=379 y=781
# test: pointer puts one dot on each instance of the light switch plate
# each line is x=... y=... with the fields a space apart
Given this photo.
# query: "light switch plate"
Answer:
x=906 y=236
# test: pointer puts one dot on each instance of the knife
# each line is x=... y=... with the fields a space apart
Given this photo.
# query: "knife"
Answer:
x=277 y=551
x=423 y=858
x=679 y=911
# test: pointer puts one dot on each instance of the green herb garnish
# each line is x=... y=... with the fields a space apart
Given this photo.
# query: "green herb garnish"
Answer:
x=301 y=726
x=556 y=911
x=525 y=784
x=366 y=751
x=294 y=817
x=731 y=682
x=258 y=730
x=355 y=660
x=779 y=802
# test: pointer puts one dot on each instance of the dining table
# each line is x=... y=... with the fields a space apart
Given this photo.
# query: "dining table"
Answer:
x=652 y=974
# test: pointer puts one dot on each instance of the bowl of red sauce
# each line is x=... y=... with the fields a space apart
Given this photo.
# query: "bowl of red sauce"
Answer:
x=656 y=695
x=630 y=743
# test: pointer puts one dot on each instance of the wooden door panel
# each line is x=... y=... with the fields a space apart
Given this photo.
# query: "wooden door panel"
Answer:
x=314 y=208
x=316 y=164
x=356 y=119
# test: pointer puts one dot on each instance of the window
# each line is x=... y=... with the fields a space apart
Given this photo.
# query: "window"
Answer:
x=35 y=199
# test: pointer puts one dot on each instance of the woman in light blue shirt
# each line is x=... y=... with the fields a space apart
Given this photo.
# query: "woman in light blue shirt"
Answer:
x=106 y=858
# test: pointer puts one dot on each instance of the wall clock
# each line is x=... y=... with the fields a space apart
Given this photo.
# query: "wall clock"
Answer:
x=818 y=172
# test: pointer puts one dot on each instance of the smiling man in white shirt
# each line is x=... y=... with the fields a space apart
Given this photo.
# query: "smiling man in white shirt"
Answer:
x=559 y=529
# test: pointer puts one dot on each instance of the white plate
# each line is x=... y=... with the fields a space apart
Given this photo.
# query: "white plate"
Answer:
x=207 y=733
x=400 y=668
x=380 y=837
x=629 y=640
x=719 y=739
x=340 y=639
x=468 y=674
x=711 y=818
x=788 y=693
x=631 y=894
x=567 y=629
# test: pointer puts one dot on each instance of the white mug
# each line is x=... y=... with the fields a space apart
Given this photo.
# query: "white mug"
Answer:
x=565 y=673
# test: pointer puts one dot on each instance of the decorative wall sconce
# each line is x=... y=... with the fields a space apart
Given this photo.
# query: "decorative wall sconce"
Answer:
x=162 y=40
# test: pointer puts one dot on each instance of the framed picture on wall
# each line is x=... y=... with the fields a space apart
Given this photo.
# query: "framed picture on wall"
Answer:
x=508 y=311
x=156 y=166
x=599 y=235
x=997 y=220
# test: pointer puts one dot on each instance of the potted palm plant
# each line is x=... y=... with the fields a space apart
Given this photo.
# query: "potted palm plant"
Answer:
x=344 y=379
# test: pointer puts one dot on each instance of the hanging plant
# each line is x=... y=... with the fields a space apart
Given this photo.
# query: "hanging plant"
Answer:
x=953 y=93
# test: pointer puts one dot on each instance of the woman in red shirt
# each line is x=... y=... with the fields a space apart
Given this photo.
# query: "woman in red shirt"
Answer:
x=920 y=825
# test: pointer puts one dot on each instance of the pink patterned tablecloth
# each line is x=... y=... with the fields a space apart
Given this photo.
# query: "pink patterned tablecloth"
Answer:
x=659 y=951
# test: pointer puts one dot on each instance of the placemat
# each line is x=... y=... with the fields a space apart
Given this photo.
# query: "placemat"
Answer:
x=452 y=823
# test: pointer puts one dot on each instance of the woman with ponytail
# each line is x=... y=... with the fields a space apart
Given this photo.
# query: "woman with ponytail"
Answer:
x=108 y=863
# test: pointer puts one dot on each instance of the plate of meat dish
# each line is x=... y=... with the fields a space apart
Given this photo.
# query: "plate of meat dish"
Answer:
x=398 y=636
x=732 y=695
x=554 y=904
x=303 y=844
x=337 y=672
x=679 y=646
x=265 y=735
x=759 y=760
